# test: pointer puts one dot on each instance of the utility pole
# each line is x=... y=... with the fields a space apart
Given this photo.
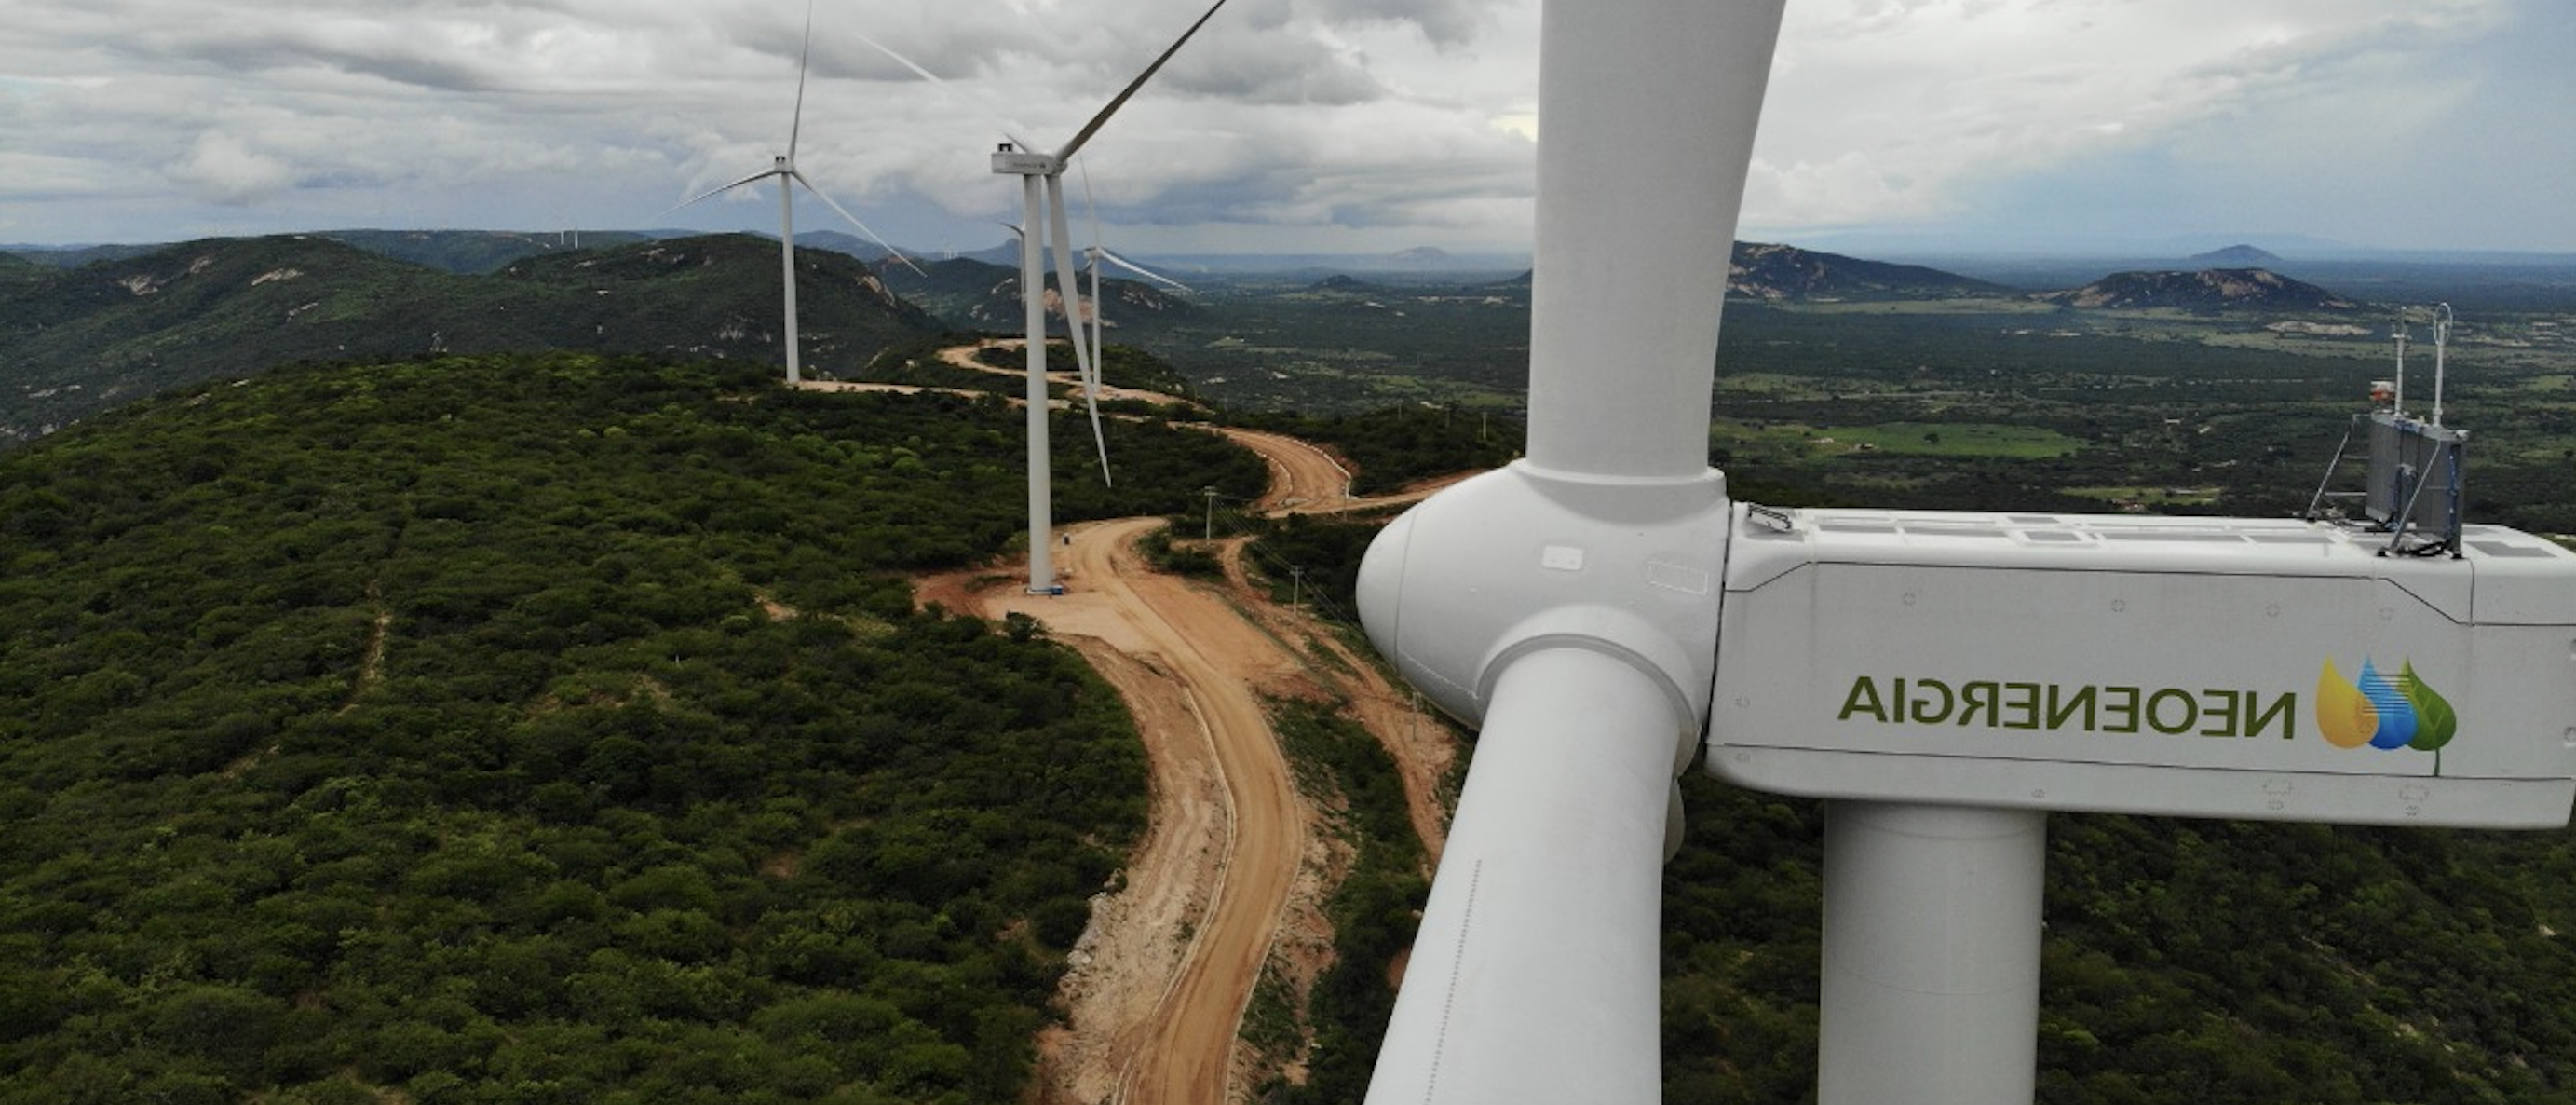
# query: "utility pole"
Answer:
x=1296 y=584
x=1208 y=531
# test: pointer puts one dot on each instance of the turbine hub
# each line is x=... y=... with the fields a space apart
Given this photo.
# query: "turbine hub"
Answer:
x=1523 y=559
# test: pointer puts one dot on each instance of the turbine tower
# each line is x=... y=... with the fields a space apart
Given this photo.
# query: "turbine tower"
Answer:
x=783 y=168
x=1042 y=206
x=1603 y=612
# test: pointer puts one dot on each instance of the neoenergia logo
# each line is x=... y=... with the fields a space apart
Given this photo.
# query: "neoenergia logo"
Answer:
x=2384 y=712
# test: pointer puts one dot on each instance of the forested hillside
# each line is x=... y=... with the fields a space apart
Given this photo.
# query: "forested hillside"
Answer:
x=83 y=340
x=534 y=728
x=541 y=729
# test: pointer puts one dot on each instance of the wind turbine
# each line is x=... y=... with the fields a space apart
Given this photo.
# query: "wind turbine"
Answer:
x=1568 y=603
x=1093 y=258
x=783 y=168
x=1042 y=206
x=1600 y=607
x=1088 y=377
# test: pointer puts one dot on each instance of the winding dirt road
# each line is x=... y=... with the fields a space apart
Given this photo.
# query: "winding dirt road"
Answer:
x=1230 y=877
x=1183 y=1052
x=1229 y=880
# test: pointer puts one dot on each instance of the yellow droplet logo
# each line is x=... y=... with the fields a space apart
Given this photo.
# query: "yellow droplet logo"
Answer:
x=2344 y=714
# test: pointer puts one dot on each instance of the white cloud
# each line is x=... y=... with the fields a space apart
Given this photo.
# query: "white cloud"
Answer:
x=1407 y=116
x=225 y=169
x=1892 y=111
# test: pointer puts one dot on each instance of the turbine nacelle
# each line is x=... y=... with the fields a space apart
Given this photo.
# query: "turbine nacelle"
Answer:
x=2199 y=667
x=1010 y=160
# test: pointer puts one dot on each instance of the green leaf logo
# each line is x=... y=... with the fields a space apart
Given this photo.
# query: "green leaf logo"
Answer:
x=2435 y=721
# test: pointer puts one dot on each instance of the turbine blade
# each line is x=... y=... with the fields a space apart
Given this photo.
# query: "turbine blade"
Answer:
x=1100 y=365
x=1140 y=270
x=1534 y=975
x=1090 y=210
x=1071 y=291
x=1636 y=225
x=796 y=123
x=1093 y=127
x=1066 y=287
x=1097 y=441
x=1091 y=260
x=936 y=81
x=901 y=60
x=711 y=193
x=835 y=205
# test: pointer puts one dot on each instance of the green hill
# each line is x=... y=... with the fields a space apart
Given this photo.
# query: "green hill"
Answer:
x=474 y=252
x=978 y=296
x=76 y=342
x=541 y=728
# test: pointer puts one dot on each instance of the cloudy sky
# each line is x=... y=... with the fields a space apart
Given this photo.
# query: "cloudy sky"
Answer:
x=1309 y=126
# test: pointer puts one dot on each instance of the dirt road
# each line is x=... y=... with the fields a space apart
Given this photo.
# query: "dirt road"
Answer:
x=1231 y=875
x=1160 y=985
x=1064 y=374
x=1304 y=479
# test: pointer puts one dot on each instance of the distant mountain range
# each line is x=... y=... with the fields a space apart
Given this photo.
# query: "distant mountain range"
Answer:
x=971 y=295
x=2235 y=257
x=2207 y=291
x=79 y=340
x=1771 y=273
x=1779 y=273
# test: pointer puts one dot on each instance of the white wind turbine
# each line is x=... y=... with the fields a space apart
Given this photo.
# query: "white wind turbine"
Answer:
x=1042 y=205
x=1088 y=376
x=1576 y=605
x=783 y=167
x=1568 y=602
x=1094 y=257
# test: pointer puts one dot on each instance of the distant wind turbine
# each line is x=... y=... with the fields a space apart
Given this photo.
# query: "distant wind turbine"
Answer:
x=1042 y=183
x=1042 y=209
x=1092 y=258
x=783 y=167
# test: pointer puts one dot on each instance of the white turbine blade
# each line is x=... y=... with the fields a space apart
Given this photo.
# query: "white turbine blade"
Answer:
x=1099 y=365
x=1099 y=306
x=1093 y=127
x=1088 y=370
x=1636 y=225
x=899 y=59
x=935 y=80
x=1534 y=976
x=711 y=193
x=1140 y=270
x=1067 y=289
x=1098 y=441
x=796 y=123
x=854 y=221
